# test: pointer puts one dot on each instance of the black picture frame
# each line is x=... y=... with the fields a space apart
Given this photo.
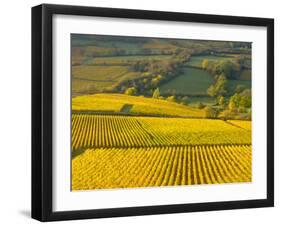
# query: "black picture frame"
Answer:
x=42 y=111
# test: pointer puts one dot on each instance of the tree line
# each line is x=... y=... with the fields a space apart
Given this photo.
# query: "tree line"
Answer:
x=230 y=104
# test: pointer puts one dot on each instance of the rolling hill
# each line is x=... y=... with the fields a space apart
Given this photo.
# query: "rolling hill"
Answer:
x=134 y=105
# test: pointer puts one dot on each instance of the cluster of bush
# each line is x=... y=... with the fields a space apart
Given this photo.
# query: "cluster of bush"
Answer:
x=238 y=104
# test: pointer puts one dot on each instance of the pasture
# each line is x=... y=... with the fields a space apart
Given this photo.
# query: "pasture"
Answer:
x=192 y=81
x=232 y=84
x=99 y=73
x=196 y=61
x=120 y=60
x=246 y=75
x=206 y=100
x=93 y=79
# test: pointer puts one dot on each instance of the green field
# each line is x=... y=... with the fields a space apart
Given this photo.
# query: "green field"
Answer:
x=99 y=73
x=135 y=105
x=196 y=61
x=80 y=87
x=246 y=75
x=193 y=81
x=92 y=79
x=208 y=101
x=117 y=60
x=131 y=48
x=232 y=84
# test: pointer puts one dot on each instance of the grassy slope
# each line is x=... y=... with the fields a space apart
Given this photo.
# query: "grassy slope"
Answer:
x=194 y=101
x=193 y=81
x=140 y=105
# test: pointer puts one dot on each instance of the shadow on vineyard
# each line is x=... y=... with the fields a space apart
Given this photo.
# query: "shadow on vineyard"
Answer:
x=77 y=152
x=126 y=108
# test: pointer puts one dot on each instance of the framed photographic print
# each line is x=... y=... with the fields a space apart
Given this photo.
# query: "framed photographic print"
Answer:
x=145 y=112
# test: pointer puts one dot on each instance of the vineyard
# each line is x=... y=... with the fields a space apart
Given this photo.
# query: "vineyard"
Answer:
x=148 y=111
x=243 y=124
x=104 y=168
x=92 y=131
x=114 y=103
x=111 y=151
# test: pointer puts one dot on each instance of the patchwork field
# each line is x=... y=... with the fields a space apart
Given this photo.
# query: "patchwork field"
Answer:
x=161 y=166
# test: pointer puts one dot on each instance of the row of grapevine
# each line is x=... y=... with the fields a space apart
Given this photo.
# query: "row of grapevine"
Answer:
x=104 y=168
x=100 y=131
x=107 y=131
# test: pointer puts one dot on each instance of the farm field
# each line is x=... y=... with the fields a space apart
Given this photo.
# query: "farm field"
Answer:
x=246 y=75
x=243 y=124
x=99 y=73
x=126 y=59
x=208 y=101
x=196 y=61
x=232 y=84
x=83 y=86
x=89 y=79
x=192 y=81
x=107 y=168
x=125 y=131
x=136 y=105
